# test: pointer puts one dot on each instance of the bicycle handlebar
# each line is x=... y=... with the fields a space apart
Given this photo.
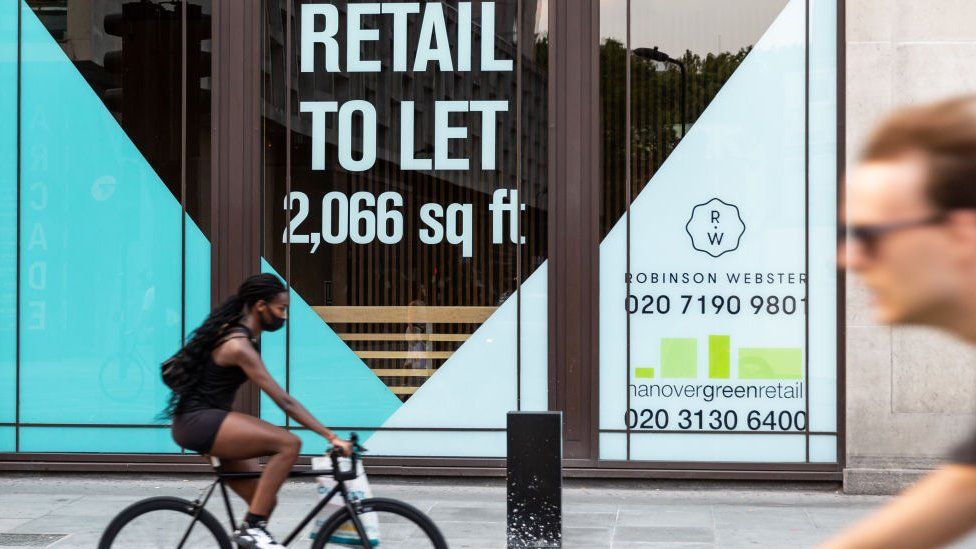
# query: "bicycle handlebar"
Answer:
x=335 y=454
x=356 y=447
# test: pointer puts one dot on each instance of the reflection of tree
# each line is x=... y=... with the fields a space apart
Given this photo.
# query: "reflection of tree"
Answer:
x=655 y=129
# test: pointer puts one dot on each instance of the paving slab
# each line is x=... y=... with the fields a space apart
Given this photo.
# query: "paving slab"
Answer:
x=471 y=512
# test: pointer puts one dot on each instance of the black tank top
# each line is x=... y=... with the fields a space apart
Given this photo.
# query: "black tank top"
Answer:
x=217 y=384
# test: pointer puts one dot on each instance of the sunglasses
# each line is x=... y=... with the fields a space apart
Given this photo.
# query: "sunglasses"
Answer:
x=868 y=236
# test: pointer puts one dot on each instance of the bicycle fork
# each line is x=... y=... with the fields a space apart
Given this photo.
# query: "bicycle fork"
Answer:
x=355 y=506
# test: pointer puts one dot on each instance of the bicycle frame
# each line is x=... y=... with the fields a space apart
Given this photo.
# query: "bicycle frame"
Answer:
x=352 y=506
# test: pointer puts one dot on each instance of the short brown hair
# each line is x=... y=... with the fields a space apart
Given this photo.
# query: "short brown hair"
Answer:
x=944 y=134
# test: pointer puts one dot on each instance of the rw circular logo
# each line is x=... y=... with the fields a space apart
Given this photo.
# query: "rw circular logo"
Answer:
x=715 y=227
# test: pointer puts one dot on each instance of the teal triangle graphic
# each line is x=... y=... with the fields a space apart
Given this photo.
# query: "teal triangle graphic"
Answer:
x=326 y=376
x=100 y=256
x=478 y=385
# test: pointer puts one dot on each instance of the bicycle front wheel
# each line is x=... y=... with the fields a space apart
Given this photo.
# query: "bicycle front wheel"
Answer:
x=163 y=523
x=388 y=523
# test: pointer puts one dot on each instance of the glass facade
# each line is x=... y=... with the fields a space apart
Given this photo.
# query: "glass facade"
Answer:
x=8 y=226
x=405 y=280
x=405 y=198
x=113 y=265
x=719 y=215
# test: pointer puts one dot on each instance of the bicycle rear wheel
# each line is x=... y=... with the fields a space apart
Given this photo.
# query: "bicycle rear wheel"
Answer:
x=161 y=523
x=401 y=526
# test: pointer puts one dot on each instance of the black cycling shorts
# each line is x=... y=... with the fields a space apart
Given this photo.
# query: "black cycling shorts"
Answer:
x=197 y=430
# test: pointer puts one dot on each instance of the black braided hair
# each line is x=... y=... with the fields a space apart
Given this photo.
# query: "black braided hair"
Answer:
x=201 y=342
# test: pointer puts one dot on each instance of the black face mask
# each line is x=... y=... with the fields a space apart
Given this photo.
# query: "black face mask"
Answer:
x=272 y=325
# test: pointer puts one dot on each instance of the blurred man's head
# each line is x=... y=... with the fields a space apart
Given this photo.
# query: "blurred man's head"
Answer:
x=911 y=216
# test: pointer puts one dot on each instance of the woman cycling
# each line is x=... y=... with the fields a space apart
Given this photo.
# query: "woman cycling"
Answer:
x=219 y=356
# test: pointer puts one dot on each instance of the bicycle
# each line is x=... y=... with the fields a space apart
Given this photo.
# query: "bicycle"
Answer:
x=122 y=374
x=400 y=524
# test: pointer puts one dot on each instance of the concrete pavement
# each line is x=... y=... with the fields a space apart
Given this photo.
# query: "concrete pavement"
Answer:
x=72 y=510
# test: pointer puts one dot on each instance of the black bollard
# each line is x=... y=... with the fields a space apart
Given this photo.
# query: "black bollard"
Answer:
x=535 y=479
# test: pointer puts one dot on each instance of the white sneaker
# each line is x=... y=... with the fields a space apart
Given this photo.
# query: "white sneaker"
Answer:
x=256 y=537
